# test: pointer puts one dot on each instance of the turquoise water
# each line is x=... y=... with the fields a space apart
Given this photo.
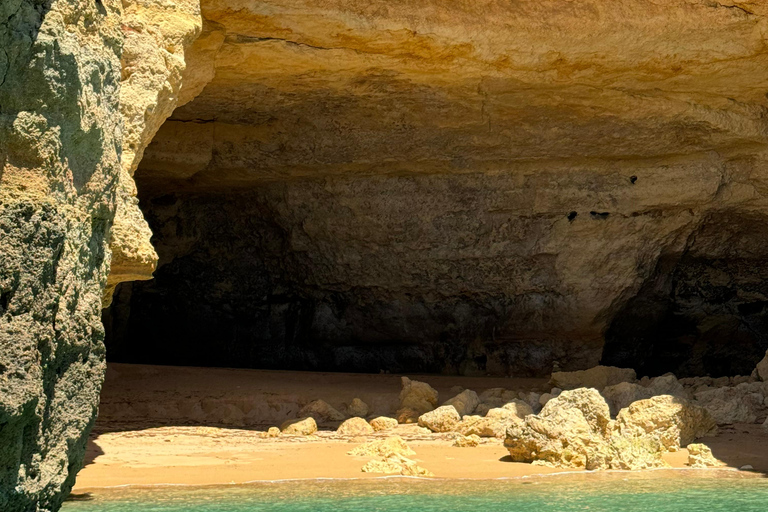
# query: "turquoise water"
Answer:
x=648 y=492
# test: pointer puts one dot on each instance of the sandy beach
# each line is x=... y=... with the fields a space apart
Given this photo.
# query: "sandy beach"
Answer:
x=153 y=449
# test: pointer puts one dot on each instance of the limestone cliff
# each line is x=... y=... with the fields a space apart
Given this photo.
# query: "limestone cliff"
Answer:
x=157 y=34
x=474 y=187
x=65 y=166
x=60 y=143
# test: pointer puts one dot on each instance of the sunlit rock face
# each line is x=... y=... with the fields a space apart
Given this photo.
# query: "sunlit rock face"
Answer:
x=483 y=187
x=59 y=161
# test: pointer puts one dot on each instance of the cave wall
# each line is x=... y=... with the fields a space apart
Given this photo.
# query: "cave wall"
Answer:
x=477 y=188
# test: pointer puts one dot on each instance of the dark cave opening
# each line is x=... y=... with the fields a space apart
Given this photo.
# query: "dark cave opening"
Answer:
x=701 y=313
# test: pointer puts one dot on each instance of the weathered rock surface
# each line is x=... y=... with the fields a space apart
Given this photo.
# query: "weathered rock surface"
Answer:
x=621 y=395
x=443 y=419
x=700 y=456
x=355 y=427
x=598 y=377
x=469 y=441
x=300 y=426
x=465 y=402
x=416 y=398
x=157 y=34
x=322 y=412
x=545 y=192
x=60 y=136
x=396 y=464
x=575 y=430
x=672 y=421
x=383 y=423
x=743 y=403
x=357 y=408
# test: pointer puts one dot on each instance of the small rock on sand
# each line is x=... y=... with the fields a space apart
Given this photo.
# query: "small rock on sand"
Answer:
x=357 y=408
x=383 y=423
x=299 y=426
x=321 y=411
x=355 y=427
x=442 y=419
x=469 y=441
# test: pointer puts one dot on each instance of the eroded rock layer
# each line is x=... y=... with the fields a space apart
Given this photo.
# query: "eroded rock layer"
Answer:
x=477 y=188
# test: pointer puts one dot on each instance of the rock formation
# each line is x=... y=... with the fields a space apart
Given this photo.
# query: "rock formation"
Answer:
x=502 y=189
x=59 y=162
x=575 y=430
x=507 y=188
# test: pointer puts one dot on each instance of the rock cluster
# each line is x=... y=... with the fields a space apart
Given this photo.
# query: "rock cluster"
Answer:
x=575 y=429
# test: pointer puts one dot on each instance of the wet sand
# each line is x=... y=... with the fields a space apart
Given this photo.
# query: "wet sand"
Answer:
x=158 y=449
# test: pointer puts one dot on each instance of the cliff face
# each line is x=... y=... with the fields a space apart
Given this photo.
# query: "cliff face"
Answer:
x=61 y=181
x=487 y=187
x=59 y=153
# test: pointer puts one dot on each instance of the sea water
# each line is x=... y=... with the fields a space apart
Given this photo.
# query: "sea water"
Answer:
x=667 y=491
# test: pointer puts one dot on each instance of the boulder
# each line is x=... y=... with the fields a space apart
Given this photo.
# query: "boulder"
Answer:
x=623 y=394
x=566 y=433
x=357 y=408
x=672 y=421
x=416 y=398
x=518 y=407
x=598 y=377
x=321 y=411
x=442 y=419
x=383 y=423
x=728 y=405
x=299 y=426
x=273 y=432
x=700 y=456
x=667 y=385
x=469 y=441
x=465 y=402
x=355 y=427
x=394 y=445
x=489 y=426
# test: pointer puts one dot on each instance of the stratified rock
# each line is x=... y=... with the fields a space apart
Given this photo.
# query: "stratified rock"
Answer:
x=394 y=445
x=383 y=423
x=469 y=441
x=321 y=411
x=598 y=377
x=442 y=419
x=355 y=427
x=300 y=426
x=465 y=402
x=416 y=397
x=357 y=408
x=672 y=421
x=700 y=456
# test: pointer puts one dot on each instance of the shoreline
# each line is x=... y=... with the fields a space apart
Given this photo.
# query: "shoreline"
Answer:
x=200 y=427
